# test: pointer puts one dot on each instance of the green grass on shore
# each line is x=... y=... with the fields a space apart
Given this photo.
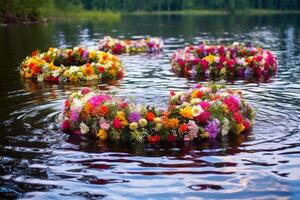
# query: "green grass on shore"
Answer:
x=108 y=16
x=216 y=12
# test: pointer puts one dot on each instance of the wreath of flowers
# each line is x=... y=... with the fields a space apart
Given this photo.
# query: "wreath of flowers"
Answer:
x=117 y=46
x=225 y=62
x=203 y=112
x=77 y=64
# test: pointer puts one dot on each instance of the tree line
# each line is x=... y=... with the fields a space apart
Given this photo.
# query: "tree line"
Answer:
x=35 y=8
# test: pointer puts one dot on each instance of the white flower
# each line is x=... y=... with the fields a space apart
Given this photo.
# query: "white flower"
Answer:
x=55 y=73
x=73 y=69
x=197 y=110
x=40 y=78
x=195 y=101
x=225 y=127
x=83 y=128
x=217 y=59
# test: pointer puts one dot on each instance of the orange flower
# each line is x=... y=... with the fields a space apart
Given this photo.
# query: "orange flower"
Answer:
x=103 y=110
x=150 y=116
x=88 y=70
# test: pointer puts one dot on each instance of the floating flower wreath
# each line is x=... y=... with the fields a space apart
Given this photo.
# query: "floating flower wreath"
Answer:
x=117 y=46
x=73 y=65
x=203 y=112
x=225 y=62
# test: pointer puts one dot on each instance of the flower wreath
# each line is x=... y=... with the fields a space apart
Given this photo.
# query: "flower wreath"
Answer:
x=117 y=46
x=73 y=65
x=203 y=112
x=225 y=62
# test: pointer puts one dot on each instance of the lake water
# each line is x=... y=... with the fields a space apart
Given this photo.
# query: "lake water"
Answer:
x=38 y=161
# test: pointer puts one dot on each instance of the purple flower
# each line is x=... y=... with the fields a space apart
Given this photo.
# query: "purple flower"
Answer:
x=85 y=55
x=134 y=117
x=248 y=73
x=213 y=128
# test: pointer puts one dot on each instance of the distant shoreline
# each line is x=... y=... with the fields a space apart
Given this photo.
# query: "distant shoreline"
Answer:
x=215 y=12
x=112 y=16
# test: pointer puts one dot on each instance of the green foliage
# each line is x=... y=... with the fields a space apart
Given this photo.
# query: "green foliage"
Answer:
x=19 y=10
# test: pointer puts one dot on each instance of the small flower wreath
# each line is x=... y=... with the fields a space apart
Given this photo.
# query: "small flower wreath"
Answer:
x=117 y=46
x=203 y=112
x=225 y=62
x=77 y=64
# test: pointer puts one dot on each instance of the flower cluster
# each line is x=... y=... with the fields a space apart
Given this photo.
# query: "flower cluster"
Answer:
x=225 y=62
x=59 y=65
x=203 y=112
x=116 y=46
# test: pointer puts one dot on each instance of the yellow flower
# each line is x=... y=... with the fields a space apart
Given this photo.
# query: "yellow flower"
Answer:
x=158 y=127
x=102 y=134
x=121 y=116
x=195 y=94
x=223 y=71
x=225 y=108
x=112 y=72
x=143 y=122
x=52 y=66
x=92 y=54
x=239 y=128
x=73 y=78
x=133 y=126
x=186 y=112
x=172 y=123
x=157 y=120
x=210 y=58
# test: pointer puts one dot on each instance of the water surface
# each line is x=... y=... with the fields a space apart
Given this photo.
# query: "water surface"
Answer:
x=38 y=161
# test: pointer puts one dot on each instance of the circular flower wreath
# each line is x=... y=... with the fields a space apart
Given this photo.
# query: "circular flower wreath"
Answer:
x=117 y=46
x=225 y=62
x=73 y=65
x=203 y=112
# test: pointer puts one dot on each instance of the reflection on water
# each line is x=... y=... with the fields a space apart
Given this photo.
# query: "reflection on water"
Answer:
x=38 y=161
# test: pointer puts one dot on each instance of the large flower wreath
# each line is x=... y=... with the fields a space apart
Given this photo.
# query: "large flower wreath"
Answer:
x=73 y=65
x=203 y=112
x=225 y=62
x=117 y=46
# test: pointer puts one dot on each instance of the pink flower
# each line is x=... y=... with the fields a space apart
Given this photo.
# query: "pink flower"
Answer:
x=74 y=116
x=85 y=90
x=205 y=105
x=104 y=124
x=98 y=99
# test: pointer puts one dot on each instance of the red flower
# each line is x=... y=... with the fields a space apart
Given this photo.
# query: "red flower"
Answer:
x=120 y=74
x=150 y=116
x=246 y=124
x=65 y=126
x=171 y=138
x=67 y=104
x=101 y=69
x=203 y=117
x=181 y=63
x=152 y=139
x=204 y=65
x=34 y=53
x=117 y=123
x=183 y=128
x=238 y=117
x=172 y=93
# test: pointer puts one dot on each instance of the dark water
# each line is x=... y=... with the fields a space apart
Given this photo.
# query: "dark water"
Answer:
x=38 y=161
